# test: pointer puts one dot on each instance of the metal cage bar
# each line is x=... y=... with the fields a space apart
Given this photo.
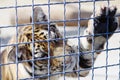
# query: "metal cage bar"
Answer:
x=65 y=37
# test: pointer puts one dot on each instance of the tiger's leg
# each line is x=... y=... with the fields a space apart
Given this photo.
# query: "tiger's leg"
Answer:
x=99 y=30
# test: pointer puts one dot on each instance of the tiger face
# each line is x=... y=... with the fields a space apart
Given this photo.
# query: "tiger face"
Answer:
x=39 y=48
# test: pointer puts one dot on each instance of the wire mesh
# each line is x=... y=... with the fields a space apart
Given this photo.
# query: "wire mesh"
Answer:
x=73 y=33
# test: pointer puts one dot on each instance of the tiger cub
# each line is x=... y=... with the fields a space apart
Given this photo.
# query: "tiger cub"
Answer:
x=41 y=60
x=38 y=52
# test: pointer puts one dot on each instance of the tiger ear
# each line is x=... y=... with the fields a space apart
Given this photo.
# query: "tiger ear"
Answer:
x=38 y=15
x=19 y=53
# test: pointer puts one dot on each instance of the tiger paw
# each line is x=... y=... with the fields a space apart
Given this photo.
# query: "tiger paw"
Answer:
x=105 y=21
x=102 y=27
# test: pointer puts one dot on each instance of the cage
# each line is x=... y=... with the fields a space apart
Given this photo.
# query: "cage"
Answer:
x=72 y=18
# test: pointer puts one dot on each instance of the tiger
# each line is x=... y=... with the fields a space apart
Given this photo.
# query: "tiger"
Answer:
x=47 y=45
x=35 y=60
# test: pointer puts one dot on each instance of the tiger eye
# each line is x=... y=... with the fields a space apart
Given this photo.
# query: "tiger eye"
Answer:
x=41 y=33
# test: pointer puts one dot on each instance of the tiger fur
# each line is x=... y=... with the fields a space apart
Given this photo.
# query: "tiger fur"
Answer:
x=40 y=45
x=40 y=48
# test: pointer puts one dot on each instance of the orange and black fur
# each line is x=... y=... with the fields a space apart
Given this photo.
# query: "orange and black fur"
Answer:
x=47 y=43
x=41 y=48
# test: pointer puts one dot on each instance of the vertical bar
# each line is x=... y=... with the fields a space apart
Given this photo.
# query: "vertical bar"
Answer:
x=107 y=44
x=16 y=14
x=48 y=40
x=33 y=42
x=93 y=50
x=64 y=37
x=79 y=52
